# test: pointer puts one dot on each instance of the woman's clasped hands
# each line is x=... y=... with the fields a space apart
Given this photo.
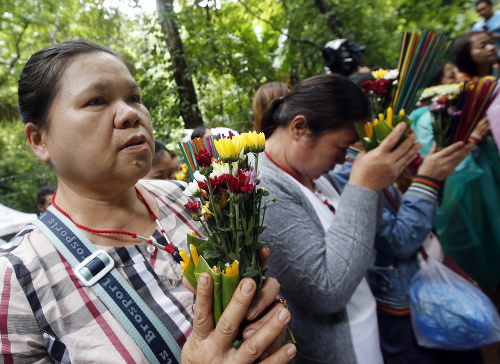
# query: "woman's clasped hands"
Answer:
x=378 y=168
x=215 y=345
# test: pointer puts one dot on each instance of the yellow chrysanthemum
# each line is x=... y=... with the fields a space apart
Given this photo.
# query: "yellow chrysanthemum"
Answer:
x=223 y=201
x=379 y=74
x=184 y=168
x=229 y=149
x=180 y=176
x=253 y=142
x=205 y=211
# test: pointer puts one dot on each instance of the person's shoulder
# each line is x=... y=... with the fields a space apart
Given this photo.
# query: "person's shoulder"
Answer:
x=164 y=186
x=167 y=192
x=22 y=244
x=478 y=25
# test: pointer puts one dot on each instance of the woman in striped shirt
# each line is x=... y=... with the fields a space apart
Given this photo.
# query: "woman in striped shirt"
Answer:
x=83 y=114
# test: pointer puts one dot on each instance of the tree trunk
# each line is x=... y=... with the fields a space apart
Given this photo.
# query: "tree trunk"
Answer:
x=187 y=93
x=332 y=20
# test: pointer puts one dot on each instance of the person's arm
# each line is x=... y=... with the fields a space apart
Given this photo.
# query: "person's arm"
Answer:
x=21 y=338
x=318 y=270
x=342 y=172
x=321 y=271
x=481 y=131
x=402 y=233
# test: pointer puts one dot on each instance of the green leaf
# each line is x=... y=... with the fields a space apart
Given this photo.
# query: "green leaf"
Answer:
x=203 y=267
x=229 y=285
x=250 y=272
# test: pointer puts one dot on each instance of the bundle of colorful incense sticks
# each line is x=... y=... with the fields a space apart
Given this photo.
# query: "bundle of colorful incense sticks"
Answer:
x=189 y=148
x=419 y=57
x=476 y=97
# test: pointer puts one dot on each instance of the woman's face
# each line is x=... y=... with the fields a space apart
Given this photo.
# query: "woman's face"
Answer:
x=483 y=49
x=99 y=132
x=162 y=169
x=313 y=157
x=449 y=74
x=174 y=168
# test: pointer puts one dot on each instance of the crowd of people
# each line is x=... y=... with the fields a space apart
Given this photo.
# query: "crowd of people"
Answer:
x=346 y=233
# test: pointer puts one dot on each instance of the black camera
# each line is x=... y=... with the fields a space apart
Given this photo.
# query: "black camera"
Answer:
x=343 y=56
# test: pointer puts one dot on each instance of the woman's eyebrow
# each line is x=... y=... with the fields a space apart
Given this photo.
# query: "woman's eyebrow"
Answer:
x=105 y=86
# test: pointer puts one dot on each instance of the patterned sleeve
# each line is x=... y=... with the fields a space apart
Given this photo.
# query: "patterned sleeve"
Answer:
x=22 y=340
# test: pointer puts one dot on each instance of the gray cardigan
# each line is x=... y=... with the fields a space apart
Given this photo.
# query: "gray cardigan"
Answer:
x=318 y=272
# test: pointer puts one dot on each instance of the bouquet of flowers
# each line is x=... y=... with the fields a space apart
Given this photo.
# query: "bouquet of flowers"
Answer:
x=458 y=108
x=228 y=206
x=372 y=134
x=442 y=101
x=380 y=89
x=419 y=56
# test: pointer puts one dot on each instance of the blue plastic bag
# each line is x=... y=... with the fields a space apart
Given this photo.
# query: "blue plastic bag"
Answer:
x=450 y=313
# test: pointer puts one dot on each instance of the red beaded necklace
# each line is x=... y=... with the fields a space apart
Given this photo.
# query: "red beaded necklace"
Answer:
x=316 y=191
x=170 y=248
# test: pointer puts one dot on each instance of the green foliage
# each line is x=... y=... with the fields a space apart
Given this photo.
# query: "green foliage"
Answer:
x=21 y=173
x=30 y=25
x=155 y=77
x=233 y=47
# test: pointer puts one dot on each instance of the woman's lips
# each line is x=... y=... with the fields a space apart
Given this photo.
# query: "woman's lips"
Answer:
x=137 y=146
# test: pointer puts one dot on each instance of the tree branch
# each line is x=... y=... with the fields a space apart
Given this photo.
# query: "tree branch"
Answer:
x=278 y=29
x=52 y=34
x=332 y=20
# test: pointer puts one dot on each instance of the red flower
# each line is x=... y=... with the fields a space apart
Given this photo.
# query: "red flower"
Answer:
x=442 y=100
x=193 y=207
x=203 y=158
x=378 y=87
x=245 y=182
x=215 y=182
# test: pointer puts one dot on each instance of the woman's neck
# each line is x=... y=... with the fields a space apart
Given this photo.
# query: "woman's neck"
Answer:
x=484 y=70
x=121 y=210
x=278 y=146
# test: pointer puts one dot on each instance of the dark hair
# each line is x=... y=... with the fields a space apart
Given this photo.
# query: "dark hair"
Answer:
x=198 y=132
x=484 y=1
x=264 y=95
x=40 y=80
x=43 y=192
x=462 y=54
x=160 y=149
x=438 y=75
x=328 y=102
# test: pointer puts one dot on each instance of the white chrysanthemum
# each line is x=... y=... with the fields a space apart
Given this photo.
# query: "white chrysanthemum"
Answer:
x=191 y=189
x=219 y=169
x=199 y=177
x=428 y=92
x=235 y=169
x=391 y=75
x=243 y=156
x=437 y=91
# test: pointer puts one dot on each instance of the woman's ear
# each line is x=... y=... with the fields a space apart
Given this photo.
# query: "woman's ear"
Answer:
x=298 y=127
x=35 y=139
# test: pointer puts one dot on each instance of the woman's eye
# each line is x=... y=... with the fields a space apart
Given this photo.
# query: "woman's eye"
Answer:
x=96 y=101
x=135 y=98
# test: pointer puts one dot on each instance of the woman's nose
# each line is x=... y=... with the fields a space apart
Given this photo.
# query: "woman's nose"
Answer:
x=126 y=116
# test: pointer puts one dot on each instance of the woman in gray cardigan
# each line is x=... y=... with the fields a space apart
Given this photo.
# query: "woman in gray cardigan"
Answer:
x=322 y=243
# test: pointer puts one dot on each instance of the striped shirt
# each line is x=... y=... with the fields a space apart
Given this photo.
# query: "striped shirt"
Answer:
x=47 y=316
